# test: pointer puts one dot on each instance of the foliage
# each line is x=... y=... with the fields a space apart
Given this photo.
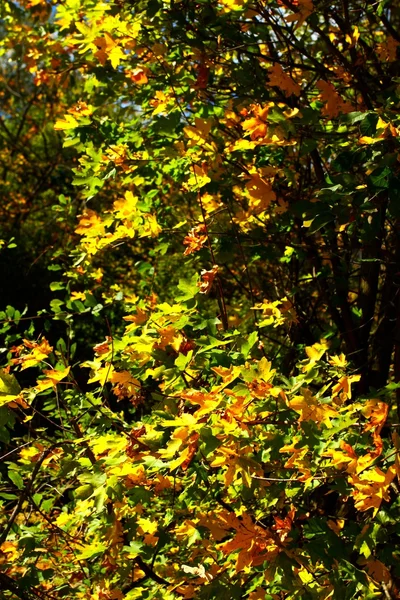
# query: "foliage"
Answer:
x=200 y=383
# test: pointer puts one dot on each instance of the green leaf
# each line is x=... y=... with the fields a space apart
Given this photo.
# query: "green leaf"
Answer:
x=248 y=344
x=56 y=305
x=16 y=479
x=8 y=384
x=91 y=550
x=134 y=549
x=368 y=124
x=188 y=288
x=380 y=178
x=182 y=361
x=320 y=221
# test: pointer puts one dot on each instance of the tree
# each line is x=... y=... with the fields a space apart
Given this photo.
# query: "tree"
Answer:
x=202 y=401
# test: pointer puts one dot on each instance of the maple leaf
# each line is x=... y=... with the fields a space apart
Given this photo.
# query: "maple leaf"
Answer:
x=90 y=224
x=160 y=102
x=237 y=463
x=207 y=279
x=344 y=386
x=255 y=544
x=186 y=530
x=99 y=373
x=278 y=78
x=81 y=109
x=103 y=347
x=146 y=526
x=376 y=412
x=186 y=425
x=387 y=51
x=227 y=375
x=241 y=144
x=114 y=535
x=195 y=239
x=259 y=389
x=11 y=550
x=35 y=453
x=276 y=313
x=311 y=409
x=284 y=526
x=298 y=459
x=229 y=5
x=139 y=76
x=198 y=179
x=78 y=296
x=314 y=353
x=198 y=133
x=137 y=319
x=68 y=122
x=377 y=570
x=192 y=449
x=169 y=336
x=260 y=193
x=372 y=488
x=9 y=388
x=336 y=526
x=39 y=352
x=304 y=10
x=161 y=483
x=258 y=594
x=52 y=379
x=125 y=386
x=107 y=48
x=256 y=126
x=338 y=361
x=183 y=458
x=126 y=207
x=334 y=103
x=208 y=401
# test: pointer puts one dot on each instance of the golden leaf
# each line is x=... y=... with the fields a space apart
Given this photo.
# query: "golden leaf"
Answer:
x=52 y=379
x=371 y=488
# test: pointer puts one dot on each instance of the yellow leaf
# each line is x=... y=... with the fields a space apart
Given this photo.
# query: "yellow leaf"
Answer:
x=199 y=132
x=365 y=139
x=311 y=409
x=257 y=125
x=68 y=122
x=199 y=178
x=115 y=56
x=344 y=385
x=101 y=374
x=52 y=378
x=227 y=375
x=336 y=526
x=229 y=5
x=376 y=412
x=180 y=460
x=314 y=353
x=146 y=526
x=9 y=387
x=207 y=402
x=371 y=488
x=107 y=48
x=241 y=145
x=39 y=351
x=338 y=361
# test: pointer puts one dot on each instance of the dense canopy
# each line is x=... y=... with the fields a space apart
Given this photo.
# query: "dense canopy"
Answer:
x=200 y=308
